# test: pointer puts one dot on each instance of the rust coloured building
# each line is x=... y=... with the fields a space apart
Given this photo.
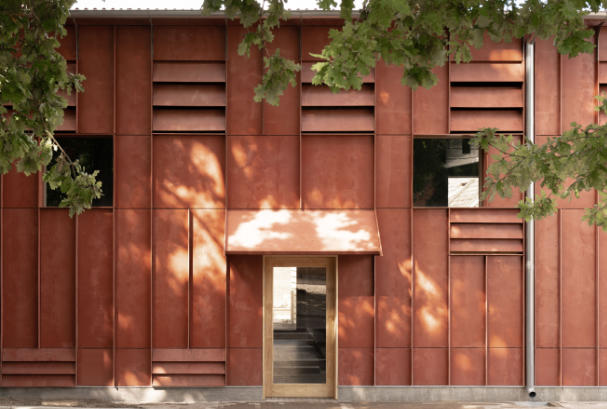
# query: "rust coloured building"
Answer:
x=164 y=283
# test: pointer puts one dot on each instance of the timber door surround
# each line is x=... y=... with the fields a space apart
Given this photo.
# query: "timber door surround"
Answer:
x=300 y=326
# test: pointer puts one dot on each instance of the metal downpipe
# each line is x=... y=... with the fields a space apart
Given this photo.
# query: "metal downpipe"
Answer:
x=530 y=232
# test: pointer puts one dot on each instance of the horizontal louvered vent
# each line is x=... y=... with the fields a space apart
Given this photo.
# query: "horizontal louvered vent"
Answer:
x=324 y=111
x=189 y=97
x=188 y=367
x=485 y=231
x=38 y=367
x=488 y=91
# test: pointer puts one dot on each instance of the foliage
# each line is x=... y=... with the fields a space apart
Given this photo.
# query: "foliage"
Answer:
x=415 y=34
x=564 y=166
x=32 y=72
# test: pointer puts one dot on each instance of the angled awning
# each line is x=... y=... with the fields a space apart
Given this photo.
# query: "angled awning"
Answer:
x=302 y=232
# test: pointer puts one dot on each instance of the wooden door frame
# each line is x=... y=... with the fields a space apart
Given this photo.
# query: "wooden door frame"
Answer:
x=296 y=390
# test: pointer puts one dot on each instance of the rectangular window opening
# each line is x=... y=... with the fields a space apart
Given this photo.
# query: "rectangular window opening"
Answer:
x=94 y=153
x=446 y=173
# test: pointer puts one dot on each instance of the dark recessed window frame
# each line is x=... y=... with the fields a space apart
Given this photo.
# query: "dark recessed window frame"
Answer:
x=439 y=159
x=96 y=152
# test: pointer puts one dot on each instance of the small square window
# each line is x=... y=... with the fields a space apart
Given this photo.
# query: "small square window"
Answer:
x=94 y=153
x=446 y=172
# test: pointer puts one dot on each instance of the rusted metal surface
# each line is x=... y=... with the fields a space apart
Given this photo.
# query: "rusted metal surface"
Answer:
x=203 y=95
x=188 y=120
x=507 y=120
x=189 y=43
x=313 y=39
x=324 y=184
x=392 y=101
x=263 y=171
x=133 y=175
x=431 y=106
x=393 y=174
x=189 y=72
x=337 y=119
x=318 y=96
x=96 y=62
x=487 y=97
x=487 y=72
x=19 y=191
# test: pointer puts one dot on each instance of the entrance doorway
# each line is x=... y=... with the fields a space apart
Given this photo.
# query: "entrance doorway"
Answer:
x=300 y=327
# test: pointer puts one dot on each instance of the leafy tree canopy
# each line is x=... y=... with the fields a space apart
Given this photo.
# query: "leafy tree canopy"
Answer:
x=415 y=34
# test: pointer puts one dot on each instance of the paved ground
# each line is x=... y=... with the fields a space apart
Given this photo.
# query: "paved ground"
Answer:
x=309 y=404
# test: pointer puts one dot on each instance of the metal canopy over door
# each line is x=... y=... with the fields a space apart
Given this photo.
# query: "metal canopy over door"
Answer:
x=300 y=327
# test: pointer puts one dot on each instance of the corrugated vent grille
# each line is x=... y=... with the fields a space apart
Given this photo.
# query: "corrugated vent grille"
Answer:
x=488 y=91
x=188 y=367
x=323 y=111
x=38 y=367
x=485 y=231
x=602 y=46
x=189 y=97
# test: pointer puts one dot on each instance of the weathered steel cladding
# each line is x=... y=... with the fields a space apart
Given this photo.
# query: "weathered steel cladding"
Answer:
x=143 y=294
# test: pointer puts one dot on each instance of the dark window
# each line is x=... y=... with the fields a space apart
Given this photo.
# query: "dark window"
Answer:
x=94 y=153
x=445 y=173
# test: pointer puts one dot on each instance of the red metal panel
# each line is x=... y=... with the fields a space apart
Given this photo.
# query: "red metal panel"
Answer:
x=430 y=366
x=393 y=366
x=307 y=74
x=208 y=287
x=245 y=366
x=603 y=73
x=325 y=184
x=578 y=86
x=95 y=367
x=190 y=95
x=19 y=281
x=189 y=368
x=602 y=292
x=189 y=381
x=188 y=355
x=189 y=72
x=57 y=269
x=393 y=101
x=245 y=309
x=430 y=294
x=393 y=279
x=38 y=355
x=320 y=96
x=486 y=246
x=284 y=119
x=188 y=120
x=188 y=171
x=393 y=180
x=19 y=190
x=547 y=367
x=578 y=255
x=505 y=301
x=547 y=282
x=263 y=172
x=467 y=366
x=171 y=276
x=133 y=367
x=355 y=301
x=471 y=120
x=190 y=43
x=488 y=72
x=486 y=231
x=467 y=303
x=96 y=62
x=133 y=271
x=69 y=121
x=497 y=200
x=37 y=381
x=547 y=88
x=603 y=44
x=337 y=120
x=95 y=286
x=431 y=106
x=485 y=216
x=133 y=80
x=579 y=367
x=355 y=366
x=487 y=97
x=503 y=51
x=244 y=73
x=133 y=175
x=602 y=367
x=37 y=368
x=313 y=39
x=68 y=44
x=505 y=366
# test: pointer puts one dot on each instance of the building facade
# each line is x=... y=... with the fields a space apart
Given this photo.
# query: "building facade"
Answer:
x=210 y=197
